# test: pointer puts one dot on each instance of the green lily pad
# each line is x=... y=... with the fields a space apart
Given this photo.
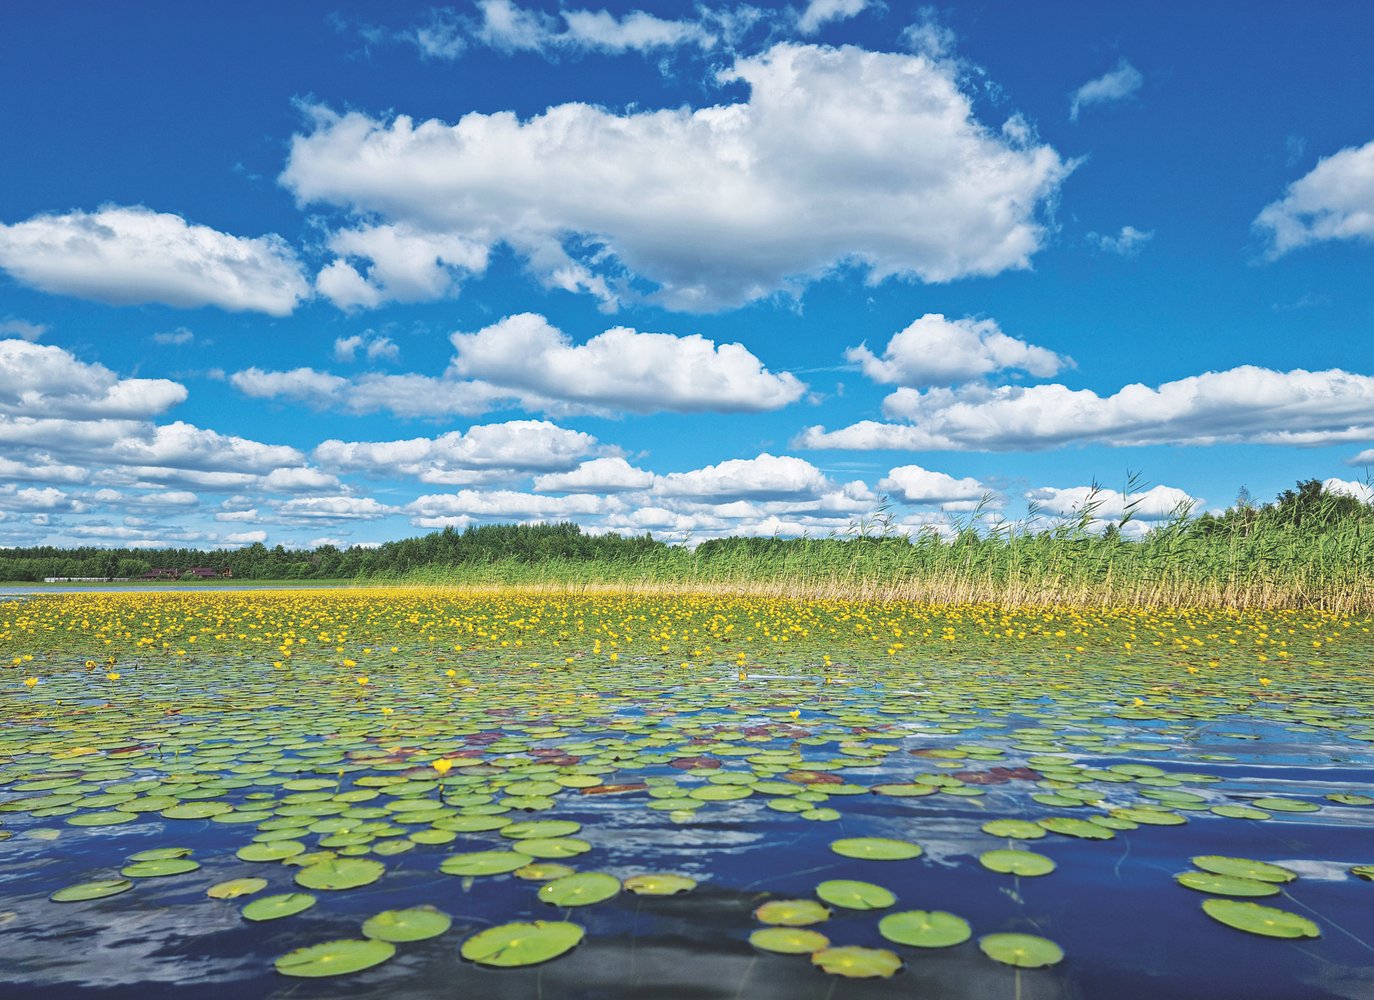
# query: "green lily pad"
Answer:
x=334 y=958
x=1263 y=920
x=340 y=873
x=277 y=850
x=853 y=962
x=1025 y=951
x=1279 y=804
x=855 y=895
x=792 y=912
x=236 y=887
x=159 y=869
x=540 y=828
x=1226 y=885
x=416 y=924
x=1068 y=826
x=659 y=885
x=98 y=889
x=788 y=940
x=161 y=854
x=876 y=849
x=542 y=871
x=1365 y=872
x=484 y=863
x=1011 y=862
x=549 y=848
x=196 y=810
x=274 y=907
x=925 y=928
x=1261 y=871
x=104 y=818
x=581 y=889
x=520 y=944
x=1240 y=812
x=1351 y=799
x=1018 y=829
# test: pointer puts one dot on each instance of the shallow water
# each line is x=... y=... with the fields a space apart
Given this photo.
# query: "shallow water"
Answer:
x=239 y=728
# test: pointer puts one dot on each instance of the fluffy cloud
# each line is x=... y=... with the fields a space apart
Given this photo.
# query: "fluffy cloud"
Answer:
x=406 y=265
x=461 y=457
x=622 y=369
x=41 y=468
x=335 y=508
x=1154 y=504
x=373 y=345
x=41 y=499
x=1116 y=85
x=1335 y=201
x=600 y=475
x=22 y=329
x=133 y=255
x=767 y=477
x=838 y=157
x=819 y=13
x=523 y=361
x=938 y=351
x=407 y=395
x=37 y=379
x=245 y=537
x=1247 y=404
x=914 y=484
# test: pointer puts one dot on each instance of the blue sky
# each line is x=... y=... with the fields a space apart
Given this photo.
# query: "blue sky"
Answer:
x=348 y=272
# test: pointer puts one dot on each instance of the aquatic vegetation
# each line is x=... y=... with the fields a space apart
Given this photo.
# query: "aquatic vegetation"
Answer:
x=728 y=770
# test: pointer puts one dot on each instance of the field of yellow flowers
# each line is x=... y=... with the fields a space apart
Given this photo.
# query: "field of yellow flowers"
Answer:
x=418 y=787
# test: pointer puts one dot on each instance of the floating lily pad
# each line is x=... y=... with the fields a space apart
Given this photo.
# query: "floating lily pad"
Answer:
x=788 y=940
x=540 y=828
x=1365 y=872
x=1279 y=804
x=1256 y=919
x=1240 y=812
x=876 y=848
x=855 y=895
x=1026 y=951
x=542 y=871
x=553 y=847
x=159 y=869
x=1261 y=871
x=1226 y=885
x=853 y=962
x=792 y=912
x=274 y=907
x=925 y=928
x=1018 y=829
x=1010 y=862
x=484 y=863
x=161 y=854
x=277 y=850
x=334 y=958
x=416 y=924
x=659 y=885
x=104 y=818
x=1068 y=826
x=581 y=889
x=98 y=889
x=1351 y=799
x=520 y=944
x=236 y=887
x=340 y=873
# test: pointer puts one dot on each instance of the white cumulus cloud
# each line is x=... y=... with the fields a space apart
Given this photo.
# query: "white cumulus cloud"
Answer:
x=404 y=265
x=128 y=255
x=37 y=379
x=934 y=350
x=600 y=475
x=1335 y=201
x=767 y=477
x=819 y=13
x=1154 y=504
x=622 y=369
x=1247 y=403
x=913 y=484
x=840 y=156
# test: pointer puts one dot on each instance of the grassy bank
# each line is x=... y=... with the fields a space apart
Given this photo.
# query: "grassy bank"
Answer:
x=1264 y=568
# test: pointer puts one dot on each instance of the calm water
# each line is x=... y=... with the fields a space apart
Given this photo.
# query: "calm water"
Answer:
x=1128 y=931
